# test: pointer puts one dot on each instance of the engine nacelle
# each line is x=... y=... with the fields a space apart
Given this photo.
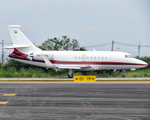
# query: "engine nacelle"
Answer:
x=38 y=56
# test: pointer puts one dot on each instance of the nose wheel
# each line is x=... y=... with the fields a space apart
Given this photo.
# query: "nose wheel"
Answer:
x=70 y=75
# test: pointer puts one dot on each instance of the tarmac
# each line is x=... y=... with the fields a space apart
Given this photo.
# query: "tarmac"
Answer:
x=74 y=101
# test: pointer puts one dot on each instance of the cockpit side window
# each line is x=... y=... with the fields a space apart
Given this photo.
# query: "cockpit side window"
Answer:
x=129 y=56
x=126 y=56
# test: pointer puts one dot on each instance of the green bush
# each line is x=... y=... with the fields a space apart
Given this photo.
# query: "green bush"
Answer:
x=16 y=69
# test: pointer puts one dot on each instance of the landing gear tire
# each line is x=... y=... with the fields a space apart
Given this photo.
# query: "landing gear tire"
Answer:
x=70 y=75
x=123 y=72
x=123 y=76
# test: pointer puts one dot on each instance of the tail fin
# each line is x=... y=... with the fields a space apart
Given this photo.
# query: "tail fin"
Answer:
x=20 y=41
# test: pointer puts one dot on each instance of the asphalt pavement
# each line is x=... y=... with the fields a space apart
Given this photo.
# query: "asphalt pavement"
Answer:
x=75 y=101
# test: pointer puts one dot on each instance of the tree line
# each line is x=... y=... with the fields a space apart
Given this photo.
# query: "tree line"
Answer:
x=62 y=44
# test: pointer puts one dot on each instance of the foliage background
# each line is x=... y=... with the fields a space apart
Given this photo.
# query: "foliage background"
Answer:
x=15 y=69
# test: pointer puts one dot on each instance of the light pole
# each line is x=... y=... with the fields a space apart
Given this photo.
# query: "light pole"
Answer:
x=2 y=51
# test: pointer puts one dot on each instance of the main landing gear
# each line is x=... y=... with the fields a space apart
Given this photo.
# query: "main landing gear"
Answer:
x=70 y=74
x=123 y=72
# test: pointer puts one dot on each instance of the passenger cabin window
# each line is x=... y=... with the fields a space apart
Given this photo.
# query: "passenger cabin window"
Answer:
x=94 y=58
x=79 y=58
x=98 y=58
x=91 y=58
x=75 y=58
x=87 y=58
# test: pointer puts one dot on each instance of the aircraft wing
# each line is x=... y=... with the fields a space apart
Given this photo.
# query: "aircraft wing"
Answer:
x=77 y=67
x=73 y=66
x=48 y=63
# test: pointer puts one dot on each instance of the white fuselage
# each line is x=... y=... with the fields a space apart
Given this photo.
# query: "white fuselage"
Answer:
x=87 y=60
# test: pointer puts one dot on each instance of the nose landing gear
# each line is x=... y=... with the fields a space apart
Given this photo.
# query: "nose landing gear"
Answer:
x=70 y=74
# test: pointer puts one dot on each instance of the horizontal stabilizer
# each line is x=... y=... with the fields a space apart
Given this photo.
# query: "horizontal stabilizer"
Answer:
x=16 y=46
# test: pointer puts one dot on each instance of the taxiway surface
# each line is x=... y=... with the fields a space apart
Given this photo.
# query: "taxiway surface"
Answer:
x=75 y=101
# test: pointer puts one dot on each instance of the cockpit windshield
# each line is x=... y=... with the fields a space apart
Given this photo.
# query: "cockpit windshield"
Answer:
x=129 y=56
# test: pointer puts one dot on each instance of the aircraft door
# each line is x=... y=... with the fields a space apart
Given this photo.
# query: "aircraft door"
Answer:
x=83 y=58
x=51 y=55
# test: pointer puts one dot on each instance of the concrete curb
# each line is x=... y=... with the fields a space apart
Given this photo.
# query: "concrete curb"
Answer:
x=68 y=79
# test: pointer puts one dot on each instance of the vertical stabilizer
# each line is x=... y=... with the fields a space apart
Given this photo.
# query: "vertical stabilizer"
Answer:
x=23 y=44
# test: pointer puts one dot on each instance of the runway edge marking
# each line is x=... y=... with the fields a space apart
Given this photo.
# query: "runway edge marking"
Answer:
x=3 y=102
x=9 y=94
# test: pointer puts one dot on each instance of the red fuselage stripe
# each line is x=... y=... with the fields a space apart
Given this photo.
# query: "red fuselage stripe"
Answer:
x=94 y=62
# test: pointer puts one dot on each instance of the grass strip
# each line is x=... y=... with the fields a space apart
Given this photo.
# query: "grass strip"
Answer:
x=121 y=80
x=36 y=80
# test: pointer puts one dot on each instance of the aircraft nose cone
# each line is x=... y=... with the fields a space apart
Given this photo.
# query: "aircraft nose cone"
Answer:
x=140 y=63
x=144 y=64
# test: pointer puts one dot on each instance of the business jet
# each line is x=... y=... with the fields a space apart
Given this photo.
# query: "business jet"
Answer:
x=25 y=51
